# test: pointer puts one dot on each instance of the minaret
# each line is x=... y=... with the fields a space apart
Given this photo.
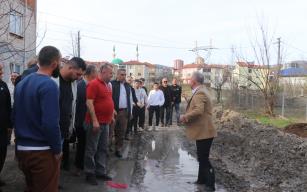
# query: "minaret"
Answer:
x=114 y=54
x=137 y=52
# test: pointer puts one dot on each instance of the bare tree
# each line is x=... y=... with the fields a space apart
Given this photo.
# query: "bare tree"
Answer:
x=74 y=45
x=264 y=76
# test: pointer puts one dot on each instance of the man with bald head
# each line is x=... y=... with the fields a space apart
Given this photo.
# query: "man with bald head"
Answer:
x=122 y=99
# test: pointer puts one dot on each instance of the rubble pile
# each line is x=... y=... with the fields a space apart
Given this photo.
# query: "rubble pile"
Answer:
x=263 y=158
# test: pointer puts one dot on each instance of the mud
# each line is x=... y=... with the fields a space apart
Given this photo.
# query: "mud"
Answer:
x=299 y=129
x=261 y=158
x=166 y=163
x=246 y=155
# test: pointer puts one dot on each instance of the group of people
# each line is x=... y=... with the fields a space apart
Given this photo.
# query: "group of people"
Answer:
x=59 y=101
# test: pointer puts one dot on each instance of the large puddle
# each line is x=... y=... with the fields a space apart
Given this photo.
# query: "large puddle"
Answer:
x=168 y=167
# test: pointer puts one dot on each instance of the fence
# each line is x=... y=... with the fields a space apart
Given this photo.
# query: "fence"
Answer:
x=286 y=104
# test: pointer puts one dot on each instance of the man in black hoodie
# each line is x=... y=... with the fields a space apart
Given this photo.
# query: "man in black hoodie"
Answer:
x=165 y=110
x=5 y=120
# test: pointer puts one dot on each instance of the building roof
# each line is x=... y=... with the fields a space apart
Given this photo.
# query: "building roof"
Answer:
x=96 y=63
x=293 y=72
x=117 y=61
x=149 y=65
x=134 y=62
x=30 y=3
x=193 y=65
x=251 y=65
x=218 y=66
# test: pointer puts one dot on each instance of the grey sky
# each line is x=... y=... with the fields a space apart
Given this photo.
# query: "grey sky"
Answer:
x=171 y=23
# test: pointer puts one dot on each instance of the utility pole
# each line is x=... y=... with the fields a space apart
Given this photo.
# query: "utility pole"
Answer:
x=278 y=63
x=79 y=38
x=278 y=54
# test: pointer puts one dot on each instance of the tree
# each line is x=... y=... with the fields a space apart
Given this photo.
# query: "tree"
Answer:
x=263 y=76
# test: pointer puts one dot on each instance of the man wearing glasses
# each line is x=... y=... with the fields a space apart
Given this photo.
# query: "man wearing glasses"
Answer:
x=165 y=110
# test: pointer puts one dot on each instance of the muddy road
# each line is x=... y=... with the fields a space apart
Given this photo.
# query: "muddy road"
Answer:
x=165 y=163
x=159 y=160
x=246 y=155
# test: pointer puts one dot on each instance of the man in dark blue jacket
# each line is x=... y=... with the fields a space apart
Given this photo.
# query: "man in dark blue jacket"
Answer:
x=36 y=121
x=81 y=108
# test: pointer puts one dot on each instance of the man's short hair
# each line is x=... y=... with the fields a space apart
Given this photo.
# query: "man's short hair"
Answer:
x=121 y=70
x=105 y=65
x=142 y=79
x=137 y=81
x=80 y=62
x=32 y=62
x=90 y=69
x=199 y=77
x=47 y=55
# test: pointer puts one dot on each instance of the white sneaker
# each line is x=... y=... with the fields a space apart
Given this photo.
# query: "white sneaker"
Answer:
x=150 y=128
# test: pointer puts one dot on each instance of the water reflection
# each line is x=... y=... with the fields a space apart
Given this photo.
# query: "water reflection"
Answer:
x=169 y=167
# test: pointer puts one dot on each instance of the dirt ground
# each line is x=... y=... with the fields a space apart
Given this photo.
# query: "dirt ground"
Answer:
x=246 y=155
x=299 y=129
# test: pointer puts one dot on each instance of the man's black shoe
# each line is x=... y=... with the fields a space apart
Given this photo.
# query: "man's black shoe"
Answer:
x=91 y=179
x=195 y=183
x=118 y=154
x=209 y=188
x=66 y=167
x=2 y=183
x=60 y=187
x=127 y=138
x=104 y=177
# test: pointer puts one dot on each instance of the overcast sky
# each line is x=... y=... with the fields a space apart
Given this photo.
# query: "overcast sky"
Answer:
x=167 y=29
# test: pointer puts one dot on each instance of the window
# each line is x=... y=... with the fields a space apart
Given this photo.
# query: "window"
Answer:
x=207 y=70
x=139 y=74
x=15 y=68
x=249 y=70
x=16 y=26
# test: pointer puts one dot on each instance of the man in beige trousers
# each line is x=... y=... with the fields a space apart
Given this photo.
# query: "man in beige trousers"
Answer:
x=199 y=127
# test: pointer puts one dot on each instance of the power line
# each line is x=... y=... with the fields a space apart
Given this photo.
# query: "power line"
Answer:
x=303 y=51
x=69 y=27
x=131 y=43
x=108 y=27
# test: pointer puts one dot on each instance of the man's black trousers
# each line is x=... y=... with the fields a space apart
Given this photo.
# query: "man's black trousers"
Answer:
x=205 y=172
